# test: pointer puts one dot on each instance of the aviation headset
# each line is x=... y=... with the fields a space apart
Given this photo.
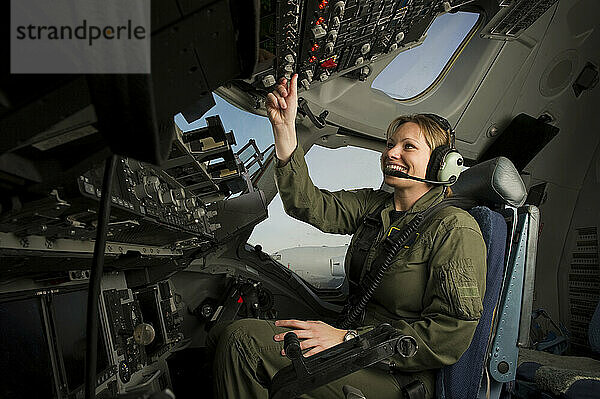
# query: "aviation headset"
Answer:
x=445 y=163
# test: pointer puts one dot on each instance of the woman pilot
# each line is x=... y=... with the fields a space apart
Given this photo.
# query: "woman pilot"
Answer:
x=432 y=291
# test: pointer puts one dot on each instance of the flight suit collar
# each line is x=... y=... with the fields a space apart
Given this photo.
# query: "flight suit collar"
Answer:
x=428 y=199
x=431 y=197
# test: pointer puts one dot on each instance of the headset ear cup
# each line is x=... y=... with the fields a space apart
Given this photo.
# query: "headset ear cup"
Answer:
x=435 y=162
x=452 y=167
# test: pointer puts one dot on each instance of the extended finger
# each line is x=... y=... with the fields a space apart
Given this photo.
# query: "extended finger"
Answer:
x=293 y=90
x=292 y=324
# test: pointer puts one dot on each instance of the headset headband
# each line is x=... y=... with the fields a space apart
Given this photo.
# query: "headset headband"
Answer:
x=444 y=125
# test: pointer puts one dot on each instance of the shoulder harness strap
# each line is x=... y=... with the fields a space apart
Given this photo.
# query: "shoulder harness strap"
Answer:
x=371 y=226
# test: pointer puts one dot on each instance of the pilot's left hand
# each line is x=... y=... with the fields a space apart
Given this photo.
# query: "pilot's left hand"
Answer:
x=312 y=334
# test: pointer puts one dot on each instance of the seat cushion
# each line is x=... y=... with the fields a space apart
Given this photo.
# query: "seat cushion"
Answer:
x=563 y=376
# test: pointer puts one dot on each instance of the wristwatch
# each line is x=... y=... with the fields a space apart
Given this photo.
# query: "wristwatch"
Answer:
x=350 y=335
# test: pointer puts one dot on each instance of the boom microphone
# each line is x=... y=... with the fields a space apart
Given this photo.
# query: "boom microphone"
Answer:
x=403 y=175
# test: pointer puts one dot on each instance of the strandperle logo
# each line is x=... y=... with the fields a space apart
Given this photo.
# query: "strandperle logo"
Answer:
x=85 y=31
x=80 y=36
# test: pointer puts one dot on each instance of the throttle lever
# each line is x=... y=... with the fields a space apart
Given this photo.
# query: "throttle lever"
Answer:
x=291 y=346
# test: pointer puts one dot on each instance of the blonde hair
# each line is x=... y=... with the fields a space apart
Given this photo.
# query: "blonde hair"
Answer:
x=433 y=133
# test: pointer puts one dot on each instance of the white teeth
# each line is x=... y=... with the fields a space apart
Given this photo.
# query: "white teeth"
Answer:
x=397 y=167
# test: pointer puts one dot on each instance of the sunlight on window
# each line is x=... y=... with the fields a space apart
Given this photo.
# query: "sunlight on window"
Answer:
x=413 y=71
x=244 y=124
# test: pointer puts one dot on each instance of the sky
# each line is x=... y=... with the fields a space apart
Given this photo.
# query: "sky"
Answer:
x=414 y=70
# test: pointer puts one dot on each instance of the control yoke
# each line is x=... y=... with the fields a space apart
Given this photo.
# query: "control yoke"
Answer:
x=306 y=374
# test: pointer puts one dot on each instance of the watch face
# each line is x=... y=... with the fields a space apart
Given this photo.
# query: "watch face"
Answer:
x=350 y=335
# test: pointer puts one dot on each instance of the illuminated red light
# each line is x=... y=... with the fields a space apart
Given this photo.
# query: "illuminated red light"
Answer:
x=312 y=59
x=240 y=300
x=320 y=21
x=329 y=63
x=315 y=47
x=323 y=4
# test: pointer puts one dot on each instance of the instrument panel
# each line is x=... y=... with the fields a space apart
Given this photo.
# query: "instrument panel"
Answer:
x=320 y=39
x=137 y=330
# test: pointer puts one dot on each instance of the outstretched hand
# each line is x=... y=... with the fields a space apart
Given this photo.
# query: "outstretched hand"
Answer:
x=312 y=334
x=282 y=103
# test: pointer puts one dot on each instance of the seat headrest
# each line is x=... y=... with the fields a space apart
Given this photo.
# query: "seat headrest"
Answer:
x=495 y=180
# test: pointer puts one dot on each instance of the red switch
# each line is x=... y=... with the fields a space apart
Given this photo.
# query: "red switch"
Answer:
x=329 y=63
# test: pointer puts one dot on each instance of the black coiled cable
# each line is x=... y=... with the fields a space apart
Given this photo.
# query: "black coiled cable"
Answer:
x=394 y=247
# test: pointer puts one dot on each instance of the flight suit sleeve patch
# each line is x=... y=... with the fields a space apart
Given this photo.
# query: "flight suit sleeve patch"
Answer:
x=459 y=288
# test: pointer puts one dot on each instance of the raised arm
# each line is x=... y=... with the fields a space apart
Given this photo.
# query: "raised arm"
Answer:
x=333 y=212
x=282 y=106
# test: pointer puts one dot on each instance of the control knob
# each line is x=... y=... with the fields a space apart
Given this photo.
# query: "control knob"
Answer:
x=335 y=22
x=339 y=7
x=144 y=334
x=329 y=48
x=365 y=48
x=332 y=36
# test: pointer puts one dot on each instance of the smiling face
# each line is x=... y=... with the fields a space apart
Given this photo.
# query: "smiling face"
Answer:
x=406 y=150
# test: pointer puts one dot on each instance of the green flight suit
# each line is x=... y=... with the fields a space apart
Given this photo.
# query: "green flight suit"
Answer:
x=433 y=290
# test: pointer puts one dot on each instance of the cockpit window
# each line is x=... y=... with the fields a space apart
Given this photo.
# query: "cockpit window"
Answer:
x=315 y=256
x=415 y=71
